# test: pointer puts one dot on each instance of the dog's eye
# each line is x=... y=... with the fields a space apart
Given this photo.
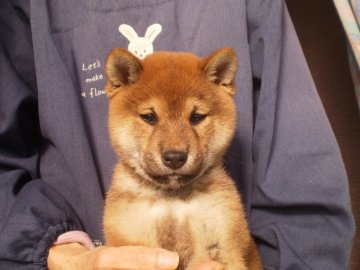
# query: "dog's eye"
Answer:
x=196 y=118
x=150 y=118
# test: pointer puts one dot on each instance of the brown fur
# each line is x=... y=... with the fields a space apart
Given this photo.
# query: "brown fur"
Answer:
x=195 y=209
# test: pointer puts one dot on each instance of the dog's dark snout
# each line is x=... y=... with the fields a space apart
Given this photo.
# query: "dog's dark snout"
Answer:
x=174 y=159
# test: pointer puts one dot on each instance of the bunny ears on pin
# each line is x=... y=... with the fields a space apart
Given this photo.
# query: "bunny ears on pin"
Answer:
x=140 y=46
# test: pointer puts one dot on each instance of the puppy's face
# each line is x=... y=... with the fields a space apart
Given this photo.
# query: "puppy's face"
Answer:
x=172 y=115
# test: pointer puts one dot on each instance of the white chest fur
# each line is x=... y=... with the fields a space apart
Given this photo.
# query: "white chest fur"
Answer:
x=140 y=220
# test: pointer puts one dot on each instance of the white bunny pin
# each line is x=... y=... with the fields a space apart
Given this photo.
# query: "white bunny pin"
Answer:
x=140 y=46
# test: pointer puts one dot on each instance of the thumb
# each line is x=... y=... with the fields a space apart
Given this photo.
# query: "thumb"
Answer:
x=139 y=257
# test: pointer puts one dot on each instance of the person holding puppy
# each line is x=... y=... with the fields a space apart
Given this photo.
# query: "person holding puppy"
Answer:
x=56 y=159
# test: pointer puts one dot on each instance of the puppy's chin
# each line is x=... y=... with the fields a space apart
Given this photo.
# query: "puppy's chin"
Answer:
x=172 y=181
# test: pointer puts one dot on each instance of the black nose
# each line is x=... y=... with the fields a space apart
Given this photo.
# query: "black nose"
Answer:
x=174 y=159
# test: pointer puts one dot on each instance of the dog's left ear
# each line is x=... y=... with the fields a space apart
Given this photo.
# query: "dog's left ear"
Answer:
x=122 y=68
x=220 y=68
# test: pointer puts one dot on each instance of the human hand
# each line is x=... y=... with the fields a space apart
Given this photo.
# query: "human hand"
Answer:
x=76 y=257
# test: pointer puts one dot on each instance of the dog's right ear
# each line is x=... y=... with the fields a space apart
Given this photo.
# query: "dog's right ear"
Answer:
x=122 y=68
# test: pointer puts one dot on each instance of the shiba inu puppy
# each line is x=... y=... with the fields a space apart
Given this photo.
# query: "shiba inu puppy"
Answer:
x=171 y=119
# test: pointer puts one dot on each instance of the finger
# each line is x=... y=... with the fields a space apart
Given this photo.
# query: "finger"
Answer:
x=137 y=258
x=210 y=265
